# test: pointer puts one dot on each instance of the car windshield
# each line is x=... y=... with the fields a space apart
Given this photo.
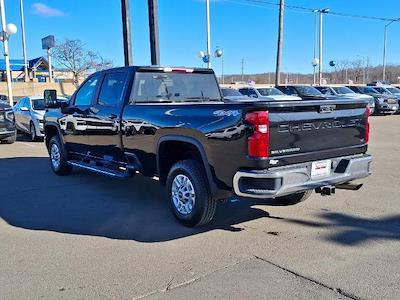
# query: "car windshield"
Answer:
x=175 y=87
x=270 y=91
x=308 y=90
x=369 y=90
x=231 y=92
x=38 y=104
x=343 y=90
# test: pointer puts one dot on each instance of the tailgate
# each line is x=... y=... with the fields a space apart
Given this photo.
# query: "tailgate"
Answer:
x=307 y=127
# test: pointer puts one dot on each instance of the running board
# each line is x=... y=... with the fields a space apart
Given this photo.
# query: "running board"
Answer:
x=100 y=169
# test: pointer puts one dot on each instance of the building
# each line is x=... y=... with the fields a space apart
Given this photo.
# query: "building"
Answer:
x=38 y=71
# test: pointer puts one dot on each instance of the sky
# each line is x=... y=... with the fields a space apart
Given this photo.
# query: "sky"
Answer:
x=243 y=29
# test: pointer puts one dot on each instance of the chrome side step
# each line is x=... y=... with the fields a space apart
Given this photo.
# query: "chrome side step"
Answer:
x=100 y=169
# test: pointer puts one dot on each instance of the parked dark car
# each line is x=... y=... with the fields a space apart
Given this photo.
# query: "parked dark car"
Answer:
x=384 y=104
x=172 y=123
x=305 y=92
x=8 y=132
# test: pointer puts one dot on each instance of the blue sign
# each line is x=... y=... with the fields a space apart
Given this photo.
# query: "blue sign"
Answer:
x=332 y=63
x=205 y=59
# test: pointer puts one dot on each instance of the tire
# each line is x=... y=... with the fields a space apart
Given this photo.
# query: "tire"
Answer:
x=58 y=157
x=32 y=132
x=293 y=198
x=189 y=196
x=11 y=139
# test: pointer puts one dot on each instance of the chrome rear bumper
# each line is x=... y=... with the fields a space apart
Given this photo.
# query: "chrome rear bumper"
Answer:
x=287 y=180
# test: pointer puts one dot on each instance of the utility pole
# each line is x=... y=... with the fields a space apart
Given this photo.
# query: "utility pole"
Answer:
x=384 y=48
x=280 y=41
x=321 y=13
x=154 y=32
x=6 y=53
x=21 y=6
x=208 y=54
x=242 y=62
x=126 y=31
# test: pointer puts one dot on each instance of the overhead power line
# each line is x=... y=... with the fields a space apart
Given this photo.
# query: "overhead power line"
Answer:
x=312 y=10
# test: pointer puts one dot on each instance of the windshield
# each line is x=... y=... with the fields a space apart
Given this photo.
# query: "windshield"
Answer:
x=393 y=90
x=270 y=91
x=231 y=92
x=175 y=87
x=38 y=104
x=308 y=90
x=368 y=90
x=343 y=90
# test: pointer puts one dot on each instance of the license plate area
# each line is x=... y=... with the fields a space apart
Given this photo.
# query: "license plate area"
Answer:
x=320 y=169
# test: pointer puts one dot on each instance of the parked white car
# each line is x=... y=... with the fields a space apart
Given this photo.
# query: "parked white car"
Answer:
x=266 y=93
x=29 y=114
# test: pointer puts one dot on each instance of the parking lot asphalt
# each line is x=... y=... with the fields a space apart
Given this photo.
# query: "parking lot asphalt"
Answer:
x=92 y=237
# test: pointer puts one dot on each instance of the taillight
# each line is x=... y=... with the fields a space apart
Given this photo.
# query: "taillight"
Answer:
x=258 y=143
x=368 y=113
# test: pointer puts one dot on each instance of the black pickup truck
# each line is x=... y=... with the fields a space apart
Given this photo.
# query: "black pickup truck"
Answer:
x=172 y=124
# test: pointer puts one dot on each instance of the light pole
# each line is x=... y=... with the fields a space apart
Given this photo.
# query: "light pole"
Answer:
x=384 y=47
x=21 y=6
x=126 y=31
x=6 y=31
x=208 y=54
x=280 y=42
x=321 y=13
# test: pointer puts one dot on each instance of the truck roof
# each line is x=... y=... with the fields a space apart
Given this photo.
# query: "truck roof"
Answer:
x=165 y=69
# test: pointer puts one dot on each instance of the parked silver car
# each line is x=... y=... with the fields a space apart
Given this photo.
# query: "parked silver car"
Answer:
x=345 y=92
x=266 y=93
x=29 y=114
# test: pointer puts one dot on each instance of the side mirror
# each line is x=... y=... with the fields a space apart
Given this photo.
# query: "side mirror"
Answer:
x=253 y=96
x=23 y=108
x=50 y=99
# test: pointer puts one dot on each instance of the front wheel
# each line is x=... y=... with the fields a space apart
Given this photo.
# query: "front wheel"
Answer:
x=32 y=132
x=189 y=196
x=58 y=157
x=11 y=139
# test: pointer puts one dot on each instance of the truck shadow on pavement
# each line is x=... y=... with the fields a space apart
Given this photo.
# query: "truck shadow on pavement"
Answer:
x=89 y=204
x=352 y=230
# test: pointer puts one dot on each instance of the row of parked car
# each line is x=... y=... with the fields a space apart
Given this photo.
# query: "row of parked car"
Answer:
x=26 y=116
x=383 y=99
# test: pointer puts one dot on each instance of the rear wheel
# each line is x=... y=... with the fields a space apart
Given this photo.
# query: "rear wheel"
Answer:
x=189 y=197
x=294 y=198
x=58 y=157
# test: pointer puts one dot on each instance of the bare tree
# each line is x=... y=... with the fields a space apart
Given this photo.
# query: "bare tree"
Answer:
x=72 y=55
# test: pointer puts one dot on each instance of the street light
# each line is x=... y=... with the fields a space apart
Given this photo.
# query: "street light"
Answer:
x=6 y=31
x=321 y=13
x=384 y=47
x=219 y=53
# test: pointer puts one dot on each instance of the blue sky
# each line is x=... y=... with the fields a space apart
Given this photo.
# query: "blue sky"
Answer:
x=242 y=29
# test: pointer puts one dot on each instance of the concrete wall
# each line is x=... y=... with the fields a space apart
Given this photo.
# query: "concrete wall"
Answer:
x=21 y=89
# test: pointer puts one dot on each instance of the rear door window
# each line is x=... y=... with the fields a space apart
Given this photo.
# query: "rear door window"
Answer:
x=112 y=88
